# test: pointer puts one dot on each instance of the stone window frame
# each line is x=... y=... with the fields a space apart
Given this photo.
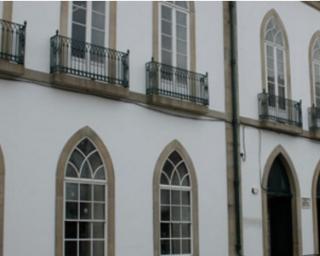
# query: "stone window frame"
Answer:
x=171 y=147
x=279 y=151
x=85 y=132
x=273 y=13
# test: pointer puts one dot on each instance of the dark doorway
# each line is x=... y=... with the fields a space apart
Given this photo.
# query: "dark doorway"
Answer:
x=280 y=211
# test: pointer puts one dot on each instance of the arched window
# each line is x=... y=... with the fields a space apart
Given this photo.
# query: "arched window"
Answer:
x=175 y=201
x=275 y=59
x=85 y=198
x=315 y=59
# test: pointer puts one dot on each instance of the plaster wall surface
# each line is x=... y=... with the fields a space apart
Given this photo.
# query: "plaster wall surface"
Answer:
x=42 y=22
x=301 y=22
x=36 y=123
x=257 y=147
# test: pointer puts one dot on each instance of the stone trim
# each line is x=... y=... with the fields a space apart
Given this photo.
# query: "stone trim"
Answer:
x=2 y=199
x=175 y=146
x=268 y=15
x=314 y=37
x=192 y=35
x=7 y=10
x=64 y=20
x=296 y=201
x=72 y=142
x=314 y=4
x=315 y=213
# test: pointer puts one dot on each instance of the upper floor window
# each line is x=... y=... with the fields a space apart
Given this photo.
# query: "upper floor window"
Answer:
x=174 y=27
x=89 y=22
x=316 y=71
x=275 y=58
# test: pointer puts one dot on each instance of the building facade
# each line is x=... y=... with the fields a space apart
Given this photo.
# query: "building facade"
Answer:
x=159 y=128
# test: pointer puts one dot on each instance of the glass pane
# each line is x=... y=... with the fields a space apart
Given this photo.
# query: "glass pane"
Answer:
x=165 y=230
x=86 y=146
x=99 y=6
x=98 y=230
x=99 y=193
x=186 y=181
x=165 y=247
x=70 y=229
x=166 y=57
x=185 y=197
x=97 y=38
x=175 y=179
x=166 y=27
x=99 y=211
x=186 y=246
x=164 y=179
x=85 y=192
x=182 y=4
x=70 y=248
x=85 y=210
x=71 y=191
x=166 y=13
x=176 y=212
x=167 y=168
x=80 y=3
x=182 y=33
x=175 y=246
x=85 y=229
x=79 y=15
x=186 y=213
x=98 y=20
x=166 y=42
x=175 y=157
x=186 y=230
x=76 y=158
x=100 y=174
x=165 y=212
x=175 y=197
x=279 y=38
x=84 y=248
x=182 y=168
x=175 y=229
x=71 y=210
x=95 y=161
x=181 y=18
x=71 y=172
x=79 y=34
x=182 y=47
x=165 y=196
x=85 y=171
x=98 y=248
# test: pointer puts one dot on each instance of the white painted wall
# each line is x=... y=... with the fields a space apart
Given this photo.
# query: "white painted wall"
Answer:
x=42 y=22
x=37 y=121
x=258 y=147
x=301 y=22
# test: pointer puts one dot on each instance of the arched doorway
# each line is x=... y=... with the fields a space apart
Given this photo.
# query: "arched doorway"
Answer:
x=279 y=197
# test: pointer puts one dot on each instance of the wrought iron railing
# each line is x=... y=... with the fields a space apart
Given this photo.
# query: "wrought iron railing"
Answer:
x=178 y=83
x=12 y=41
x=279 y=109
x=314 y=118
x=88 y=60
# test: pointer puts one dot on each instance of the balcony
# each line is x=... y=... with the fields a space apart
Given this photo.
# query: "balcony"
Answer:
x=176 y=88
x=89 y=68
x=314 y=118
x=283 y=112
x=12 y=47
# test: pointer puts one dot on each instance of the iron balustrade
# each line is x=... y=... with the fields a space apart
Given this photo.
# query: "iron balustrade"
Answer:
x=12 y=41
x=314 y=117
x=165 y=80
x=279 y=109
x=88 y=60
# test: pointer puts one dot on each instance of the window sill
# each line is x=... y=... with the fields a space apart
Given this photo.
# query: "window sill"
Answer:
x=10 y=68
x=175 y=104
x=87 y=86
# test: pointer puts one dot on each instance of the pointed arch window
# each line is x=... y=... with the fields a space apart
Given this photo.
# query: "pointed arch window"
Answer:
x=316 y=71
x=275 y=57
x=175 y=207
x=85 y=202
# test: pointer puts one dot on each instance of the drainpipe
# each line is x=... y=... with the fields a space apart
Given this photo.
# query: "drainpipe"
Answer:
x=235 y=127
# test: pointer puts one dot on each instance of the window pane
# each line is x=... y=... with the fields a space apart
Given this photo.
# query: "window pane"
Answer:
x=100 y=174
x=175 y=246
x=185 y=197
x=70 y=229
x=99 y=6
x=85 y=192
x=175 y=197
x=85 y=229
x=71 y=210
x=182 y=168
x=165 y=212
x=84 y=248
x=186 y=181
x=186 y=213
x=97 y=38
x=166 y=27
x=85 y=171
x=85 y=210
x=182 y=33
x=98 y=248
x=95 y=161
x=79 y=15
x=165 y=247
x=181 y=18
x=98 y=20
x=165 y=196
x=70 y=248
x=76 y=158
x=80 y=3
x=166 y=42
x=98 y=230
x=164 y=179
x=99 y=192
x=176 y=212
x=175 y=229
x=99 y=211
x=183 y=4
x=186 y=246
x=165 y=230
x=166 y=13
x=186 y=230
x=71 y=172
x=86 y=146
x=175 y=179
x=175 y=157
x=167 y=168
x=71 y=191
x=166 y=57
x=182 y=47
